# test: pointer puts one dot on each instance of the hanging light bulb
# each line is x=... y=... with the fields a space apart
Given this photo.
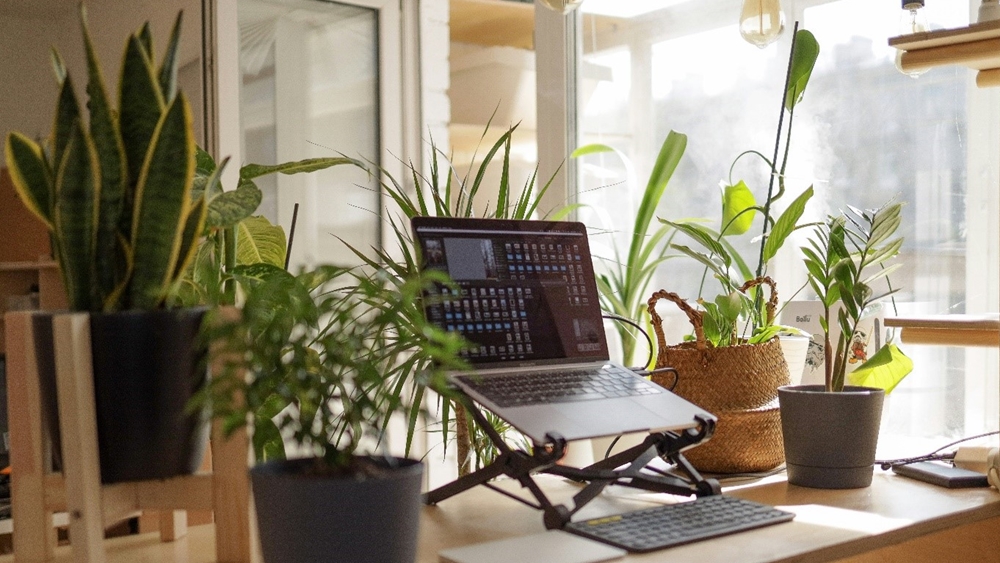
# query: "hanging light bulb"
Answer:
x=761 y=22
x=912 y=20
x=561 y=6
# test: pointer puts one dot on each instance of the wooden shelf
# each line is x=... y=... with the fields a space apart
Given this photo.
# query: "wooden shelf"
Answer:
x=976 y=46
x=949 y=330
x=493 y=23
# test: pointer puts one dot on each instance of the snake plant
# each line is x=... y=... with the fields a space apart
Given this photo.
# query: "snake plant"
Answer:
x=114 y=186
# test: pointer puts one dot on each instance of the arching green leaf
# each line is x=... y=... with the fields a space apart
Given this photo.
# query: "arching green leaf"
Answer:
x=229 y=208
x=258 y=241
x=803 y=60
x=786 y=224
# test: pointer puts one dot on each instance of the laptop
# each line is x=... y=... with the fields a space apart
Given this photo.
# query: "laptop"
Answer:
x=525 y=297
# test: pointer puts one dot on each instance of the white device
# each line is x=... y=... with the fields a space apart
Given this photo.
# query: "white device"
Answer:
x=993 y=468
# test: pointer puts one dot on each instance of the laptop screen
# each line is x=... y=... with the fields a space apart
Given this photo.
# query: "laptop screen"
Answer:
x=524 y=291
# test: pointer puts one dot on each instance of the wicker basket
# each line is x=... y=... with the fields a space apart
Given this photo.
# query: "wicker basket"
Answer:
x=739 y=384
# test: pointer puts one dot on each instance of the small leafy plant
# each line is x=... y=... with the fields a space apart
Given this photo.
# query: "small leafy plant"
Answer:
x=335 y=345
x=846 y=256
x=115 y=187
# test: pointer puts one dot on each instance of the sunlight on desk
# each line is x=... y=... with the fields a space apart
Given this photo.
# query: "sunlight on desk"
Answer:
x=845 y=519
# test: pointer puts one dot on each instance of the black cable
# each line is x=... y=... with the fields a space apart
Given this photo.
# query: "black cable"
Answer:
x=628 y=321
x=607 y=453
x=932 y=456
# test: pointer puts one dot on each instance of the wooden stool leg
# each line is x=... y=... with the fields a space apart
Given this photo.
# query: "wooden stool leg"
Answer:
x=33 y=536
x=81 y=465
x=173 y=525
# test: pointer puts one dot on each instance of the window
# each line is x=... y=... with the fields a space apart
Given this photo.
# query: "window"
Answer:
x=863 y=134
x=311 y=88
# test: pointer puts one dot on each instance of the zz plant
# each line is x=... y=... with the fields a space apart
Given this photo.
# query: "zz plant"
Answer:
x=845 y=257
x=114 y=186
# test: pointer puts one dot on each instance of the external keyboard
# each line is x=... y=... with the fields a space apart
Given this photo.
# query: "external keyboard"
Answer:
x=675 y=524
x=560 y=386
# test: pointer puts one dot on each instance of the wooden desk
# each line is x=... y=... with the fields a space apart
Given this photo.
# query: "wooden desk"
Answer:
x=895 y=519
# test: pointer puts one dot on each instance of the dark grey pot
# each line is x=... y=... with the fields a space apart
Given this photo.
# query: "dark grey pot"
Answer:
x=147 y=367
x=362 y=519
x=830 y=438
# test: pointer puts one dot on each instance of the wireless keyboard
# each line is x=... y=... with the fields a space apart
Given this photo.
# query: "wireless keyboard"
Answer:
x=675 y=524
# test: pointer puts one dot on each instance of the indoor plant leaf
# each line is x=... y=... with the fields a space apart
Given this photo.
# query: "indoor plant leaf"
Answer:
x=803 y=60
x=229 y=208
x=786 y=224
x=738 y=209
x=251 y=171
x=30 y=174
x=140 y=106
x=884 y=370
x=260 y=242
x=162 y=199
x=75 y=216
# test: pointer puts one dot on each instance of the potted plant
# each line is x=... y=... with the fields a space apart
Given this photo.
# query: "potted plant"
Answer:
x=624 y=286
x=114 y=187
x=337 y=345
x=831 y=431
x=735 y=363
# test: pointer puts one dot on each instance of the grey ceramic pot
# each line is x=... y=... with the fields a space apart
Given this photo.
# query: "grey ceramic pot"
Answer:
x=830 y=438
x=307 y=518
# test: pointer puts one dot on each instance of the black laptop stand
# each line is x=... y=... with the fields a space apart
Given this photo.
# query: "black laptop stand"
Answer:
x=521 y=465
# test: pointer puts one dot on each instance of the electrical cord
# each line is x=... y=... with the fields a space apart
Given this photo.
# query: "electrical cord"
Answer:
x=630 y=322
x=932 y=456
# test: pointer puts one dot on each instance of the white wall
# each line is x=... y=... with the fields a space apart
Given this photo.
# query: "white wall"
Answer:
x=28 y=90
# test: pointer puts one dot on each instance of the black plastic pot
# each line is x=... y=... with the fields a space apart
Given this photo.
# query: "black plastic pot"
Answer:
x=830 y=438
x=147 y=366
x=304 y=518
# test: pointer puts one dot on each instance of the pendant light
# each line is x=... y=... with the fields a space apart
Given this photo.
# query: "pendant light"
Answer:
x=761 y=22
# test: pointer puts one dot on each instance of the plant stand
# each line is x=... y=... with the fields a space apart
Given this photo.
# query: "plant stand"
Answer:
x=37 y=493
x=521 y=466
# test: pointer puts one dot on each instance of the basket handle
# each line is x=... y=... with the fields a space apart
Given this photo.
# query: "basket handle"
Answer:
x=694 y=316
x=772 y=302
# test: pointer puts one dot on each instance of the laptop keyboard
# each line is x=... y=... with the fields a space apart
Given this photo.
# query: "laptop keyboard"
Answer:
x=535 y=388
x=675 y=524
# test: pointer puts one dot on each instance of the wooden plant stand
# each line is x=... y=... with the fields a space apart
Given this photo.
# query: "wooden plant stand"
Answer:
x=37 y=493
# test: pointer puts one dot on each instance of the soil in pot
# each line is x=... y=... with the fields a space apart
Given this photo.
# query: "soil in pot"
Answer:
x=830 y=438
x=363 y=517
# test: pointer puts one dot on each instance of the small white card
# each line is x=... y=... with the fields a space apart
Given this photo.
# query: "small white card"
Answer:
x=554 y=546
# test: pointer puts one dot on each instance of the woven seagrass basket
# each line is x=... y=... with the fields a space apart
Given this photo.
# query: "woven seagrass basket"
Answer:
x=739 y=384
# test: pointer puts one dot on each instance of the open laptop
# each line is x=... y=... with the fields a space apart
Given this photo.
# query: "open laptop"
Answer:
x=526 y=297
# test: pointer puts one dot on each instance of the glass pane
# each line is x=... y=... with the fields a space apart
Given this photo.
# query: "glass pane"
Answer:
x=864 y=134
x=310 y=89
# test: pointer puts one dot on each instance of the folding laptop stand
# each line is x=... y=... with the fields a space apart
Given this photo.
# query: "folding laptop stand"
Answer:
x=521 y=465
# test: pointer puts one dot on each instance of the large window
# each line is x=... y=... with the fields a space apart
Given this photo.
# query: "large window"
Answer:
x=864 y=134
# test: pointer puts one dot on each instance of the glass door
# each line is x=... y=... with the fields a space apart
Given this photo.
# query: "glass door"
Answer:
x=311 y=87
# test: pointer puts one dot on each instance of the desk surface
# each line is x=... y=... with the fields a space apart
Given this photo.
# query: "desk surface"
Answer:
x=829 y=524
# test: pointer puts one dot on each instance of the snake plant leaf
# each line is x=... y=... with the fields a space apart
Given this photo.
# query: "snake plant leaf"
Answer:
x=145 y=37
x=58 y=65
x=884 y=370
x=738 y=209
x=229 y=208
x=786 y=224
x=251 y=171
x=74 y=216
x=31 y=176
x=803 y=60
x=260 y=242
x=168 y=70
x=124 y=264
x=114 y=179
x=140 y=106
x=194 y=226
x=67 y=114
x=162 y=198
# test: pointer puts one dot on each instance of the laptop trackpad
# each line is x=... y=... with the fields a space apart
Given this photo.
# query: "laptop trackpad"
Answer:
x=610 y=416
